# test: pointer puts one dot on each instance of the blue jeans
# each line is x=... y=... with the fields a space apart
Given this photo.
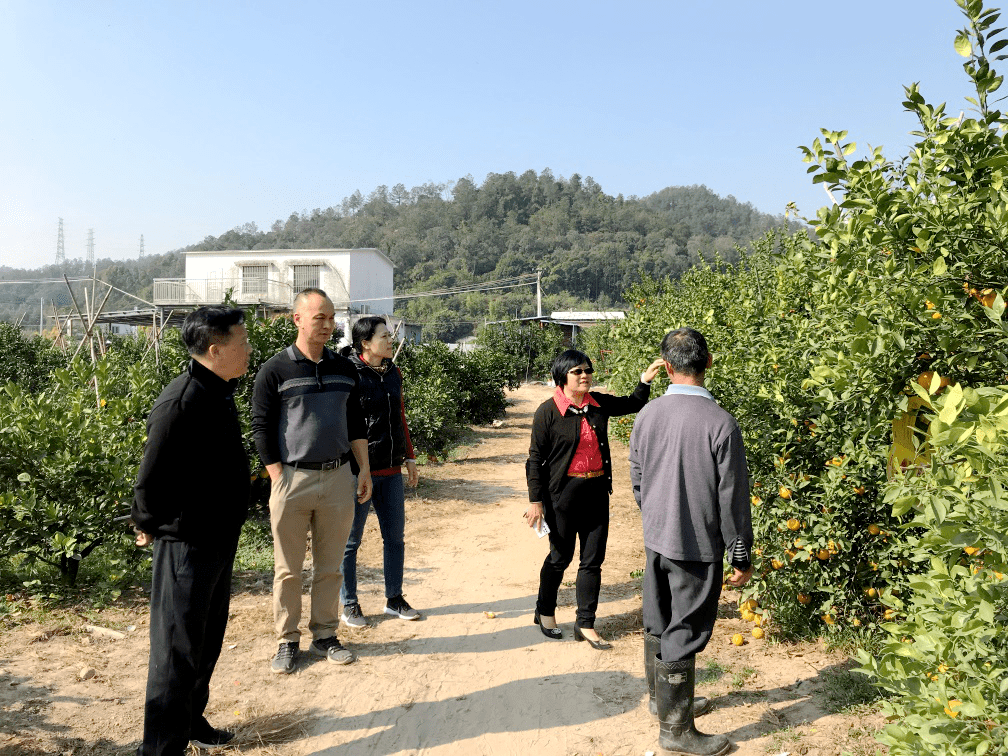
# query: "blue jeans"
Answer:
x=389 y=501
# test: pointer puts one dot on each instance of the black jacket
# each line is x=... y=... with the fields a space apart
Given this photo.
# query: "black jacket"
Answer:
x=555 y=439
x=193 y=484
x=381 y=401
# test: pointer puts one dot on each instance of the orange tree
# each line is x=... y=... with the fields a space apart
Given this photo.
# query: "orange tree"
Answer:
x=821 y=343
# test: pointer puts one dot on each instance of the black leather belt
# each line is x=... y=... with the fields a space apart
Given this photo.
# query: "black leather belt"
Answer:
x=331 y=464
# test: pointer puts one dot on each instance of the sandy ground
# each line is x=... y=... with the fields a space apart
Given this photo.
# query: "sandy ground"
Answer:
x=456 y=682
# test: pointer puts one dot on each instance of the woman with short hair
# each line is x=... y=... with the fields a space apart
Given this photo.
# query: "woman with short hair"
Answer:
x=569 y=472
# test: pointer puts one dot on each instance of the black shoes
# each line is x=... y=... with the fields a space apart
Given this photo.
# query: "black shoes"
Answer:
x=674 y=687
x=332 y=650
x=205 y=736
x=552 y=633
x=599 y=645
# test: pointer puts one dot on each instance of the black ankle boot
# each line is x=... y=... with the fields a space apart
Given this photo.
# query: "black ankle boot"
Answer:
x=652 y=650
x=674 y=685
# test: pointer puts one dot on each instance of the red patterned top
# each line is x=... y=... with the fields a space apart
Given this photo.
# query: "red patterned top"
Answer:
x=587 y=456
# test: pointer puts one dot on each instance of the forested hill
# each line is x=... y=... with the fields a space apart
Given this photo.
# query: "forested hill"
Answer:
x=590 y=245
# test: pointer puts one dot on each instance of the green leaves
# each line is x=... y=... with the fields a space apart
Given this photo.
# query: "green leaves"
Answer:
x=962 y=43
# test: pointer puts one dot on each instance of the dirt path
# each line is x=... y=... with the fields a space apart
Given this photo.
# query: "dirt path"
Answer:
x=456 y=682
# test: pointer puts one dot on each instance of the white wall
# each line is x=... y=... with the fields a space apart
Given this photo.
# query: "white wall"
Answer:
x=345 y=274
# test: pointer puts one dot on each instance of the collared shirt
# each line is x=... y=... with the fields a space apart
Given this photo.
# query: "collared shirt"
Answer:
x=587 y=456
x=685 y=388
x=306 y=411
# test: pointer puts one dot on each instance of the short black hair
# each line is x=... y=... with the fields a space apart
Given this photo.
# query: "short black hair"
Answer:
x=305 y=293
x=364 y=330
x=210 y=324
x=566 y=360
x=685 y=349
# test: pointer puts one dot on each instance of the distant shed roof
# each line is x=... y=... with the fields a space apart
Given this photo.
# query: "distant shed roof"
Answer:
x=570 y=316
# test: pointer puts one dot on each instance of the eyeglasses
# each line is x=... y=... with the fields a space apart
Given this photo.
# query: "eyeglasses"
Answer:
x=578 y=371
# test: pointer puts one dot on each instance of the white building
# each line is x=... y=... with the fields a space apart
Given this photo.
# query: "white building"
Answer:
x=358 y=281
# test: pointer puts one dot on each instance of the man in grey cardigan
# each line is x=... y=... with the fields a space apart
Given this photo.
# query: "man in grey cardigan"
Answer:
x=689 y=476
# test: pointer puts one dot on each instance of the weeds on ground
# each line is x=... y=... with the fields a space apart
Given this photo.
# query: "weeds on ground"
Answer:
x=743 y=676
x=847 y=691
x=711 y=673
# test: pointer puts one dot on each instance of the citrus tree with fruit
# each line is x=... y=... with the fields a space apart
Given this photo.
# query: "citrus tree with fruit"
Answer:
x=866 y=363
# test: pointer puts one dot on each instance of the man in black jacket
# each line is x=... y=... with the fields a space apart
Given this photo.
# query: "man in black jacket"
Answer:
x=190 y=499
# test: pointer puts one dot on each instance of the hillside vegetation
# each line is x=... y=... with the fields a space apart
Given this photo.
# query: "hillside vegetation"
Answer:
x=591 y=246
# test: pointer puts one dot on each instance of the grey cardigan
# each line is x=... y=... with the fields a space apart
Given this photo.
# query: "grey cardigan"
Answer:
x=690 y=479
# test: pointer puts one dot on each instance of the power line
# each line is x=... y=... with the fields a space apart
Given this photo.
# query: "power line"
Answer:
x=42 y=280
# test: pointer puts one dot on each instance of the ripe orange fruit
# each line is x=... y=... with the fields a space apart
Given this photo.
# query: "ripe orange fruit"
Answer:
x=747 y=615
x=777 y=564
x=859 y=490
x=971 y=550
x=856 y=622
x=987 y=297
x=749 y=604
x=803 y=599
x=737 y=639
x=953 y=707
x=929 y=304
x=874 y=529
x=784 y=493
x=756 y=500
x=757 y=632
x=823 y=555
x=828 y=619
x=936 y=316
x=871 y=593
x=792 y=524
x=889 y=614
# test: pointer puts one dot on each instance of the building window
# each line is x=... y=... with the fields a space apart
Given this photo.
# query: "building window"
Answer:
x=306 y=277
x=255 y=280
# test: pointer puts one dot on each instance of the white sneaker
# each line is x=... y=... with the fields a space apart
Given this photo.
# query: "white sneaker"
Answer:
x=398 y=607
x=353 y=616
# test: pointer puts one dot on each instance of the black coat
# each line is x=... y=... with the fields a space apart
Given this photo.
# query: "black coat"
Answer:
x=381 y=401
x=555 y=438
x=194 y=480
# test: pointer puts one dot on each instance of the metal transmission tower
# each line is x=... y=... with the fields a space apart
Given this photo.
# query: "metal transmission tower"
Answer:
x=90 y=247
x=60 y=251
x=141 y=247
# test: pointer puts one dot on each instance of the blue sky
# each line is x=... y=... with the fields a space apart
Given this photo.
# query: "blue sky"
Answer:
x=181 y=120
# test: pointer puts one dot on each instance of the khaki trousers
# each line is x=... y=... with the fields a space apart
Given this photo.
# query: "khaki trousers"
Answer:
x=322 y=500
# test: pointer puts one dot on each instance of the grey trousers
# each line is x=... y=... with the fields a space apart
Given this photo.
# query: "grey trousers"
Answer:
x=680 y=603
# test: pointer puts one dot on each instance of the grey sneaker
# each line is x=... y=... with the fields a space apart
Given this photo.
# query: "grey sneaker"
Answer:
x=353 y=616
x=283 y=662
x=398 y=607
x=332 y=650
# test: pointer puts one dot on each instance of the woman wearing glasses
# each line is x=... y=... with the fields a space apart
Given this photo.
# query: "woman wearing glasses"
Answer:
x=569 y=475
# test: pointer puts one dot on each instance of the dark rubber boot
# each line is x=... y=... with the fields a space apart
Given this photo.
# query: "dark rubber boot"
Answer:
x=674 y=684
x=652 y=650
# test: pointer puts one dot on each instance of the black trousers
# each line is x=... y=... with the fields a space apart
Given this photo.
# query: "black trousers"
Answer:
x=582 y=513
x=190 y=597
x=680 y=603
